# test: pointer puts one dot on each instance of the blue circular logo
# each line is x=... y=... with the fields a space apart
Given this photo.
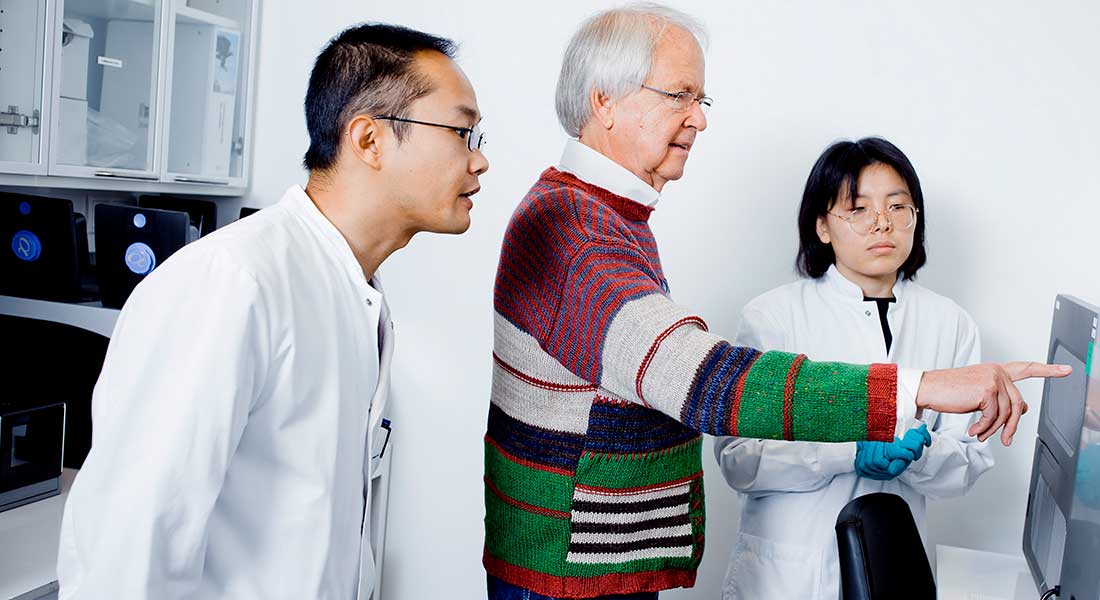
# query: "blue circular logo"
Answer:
x=140 y=258
x=24 y=208
x=139 y=220
x=26 y=245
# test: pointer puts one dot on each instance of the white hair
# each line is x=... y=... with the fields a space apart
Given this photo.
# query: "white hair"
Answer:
x=612 y=53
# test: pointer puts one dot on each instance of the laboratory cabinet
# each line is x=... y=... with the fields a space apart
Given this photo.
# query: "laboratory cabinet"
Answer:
x=127 y=95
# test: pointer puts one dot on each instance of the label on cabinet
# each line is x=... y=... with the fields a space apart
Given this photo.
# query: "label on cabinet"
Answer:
x=109 y=62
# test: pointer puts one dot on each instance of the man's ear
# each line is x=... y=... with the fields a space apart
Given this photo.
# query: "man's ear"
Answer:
x=603 y=108
x=823 y=230
x=364 y=137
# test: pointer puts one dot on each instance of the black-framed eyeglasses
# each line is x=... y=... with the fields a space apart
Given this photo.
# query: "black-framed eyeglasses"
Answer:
x=475 y=139
x=682 y=101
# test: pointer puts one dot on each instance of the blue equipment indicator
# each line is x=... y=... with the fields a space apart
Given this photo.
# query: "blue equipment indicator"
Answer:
x=26 y=245
x=140 y=258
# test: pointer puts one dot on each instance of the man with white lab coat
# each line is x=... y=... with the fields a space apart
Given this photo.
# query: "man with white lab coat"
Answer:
x=246 y=377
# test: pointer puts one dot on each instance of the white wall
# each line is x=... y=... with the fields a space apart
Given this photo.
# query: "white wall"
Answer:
x=995 y=103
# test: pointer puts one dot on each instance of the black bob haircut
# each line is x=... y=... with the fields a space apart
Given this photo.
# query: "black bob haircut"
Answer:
x=838 y=168
x=367 y=69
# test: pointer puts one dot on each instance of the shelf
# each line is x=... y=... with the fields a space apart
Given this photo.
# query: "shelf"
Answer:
x=58 y=182
x=120 y=10
x=186 y=14
x=91 y=316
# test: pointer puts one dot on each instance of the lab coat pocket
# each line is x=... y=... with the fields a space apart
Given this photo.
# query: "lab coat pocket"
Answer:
x=761 y=568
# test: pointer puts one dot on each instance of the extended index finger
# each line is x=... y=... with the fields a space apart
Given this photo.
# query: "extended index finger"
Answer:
x=1018 y=370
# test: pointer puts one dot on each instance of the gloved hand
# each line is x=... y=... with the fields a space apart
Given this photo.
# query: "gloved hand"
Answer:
x=915 y=440
x=883 y=461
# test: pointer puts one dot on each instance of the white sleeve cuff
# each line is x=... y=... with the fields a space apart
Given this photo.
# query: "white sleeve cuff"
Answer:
x=908 y=384
x=837 y=459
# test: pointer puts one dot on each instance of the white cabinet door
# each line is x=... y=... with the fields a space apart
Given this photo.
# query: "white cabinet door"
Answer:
x=23 y=44
x=107 y=79
x=209 y=91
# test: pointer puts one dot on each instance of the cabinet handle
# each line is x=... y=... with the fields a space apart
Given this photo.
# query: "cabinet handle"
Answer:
x=199 y=180
x=126 y=176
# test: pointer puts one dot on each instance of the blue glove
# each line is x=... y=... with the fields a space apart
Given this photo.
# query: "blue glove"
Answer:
x=883 y=461
x=915 y=440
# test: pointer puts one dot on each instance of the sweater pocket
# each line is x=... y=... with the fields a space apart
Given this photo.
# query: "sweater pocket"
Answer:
x=636 y=513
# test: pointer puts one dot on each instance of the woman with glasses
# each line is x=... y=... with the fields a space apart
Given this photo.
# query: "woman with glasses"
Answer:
x=861 y=233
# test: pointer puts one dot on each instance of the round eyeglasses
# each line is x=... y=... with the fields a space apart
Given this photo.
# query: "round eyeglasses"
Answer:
x=864 y=220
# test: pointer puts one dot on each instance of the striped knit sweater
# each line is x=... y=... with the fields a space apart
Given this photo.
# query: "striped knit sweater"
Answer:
x=601 y=385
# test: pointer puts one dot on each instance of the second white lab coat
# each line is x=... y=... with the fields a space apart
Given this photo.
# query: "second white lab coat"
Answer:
x=232 y=423
x=793 y=491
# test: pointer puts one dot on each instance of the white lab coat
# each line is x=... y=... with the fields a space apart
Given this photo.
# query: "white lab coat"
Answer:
x=232 y=423
x=793 y=491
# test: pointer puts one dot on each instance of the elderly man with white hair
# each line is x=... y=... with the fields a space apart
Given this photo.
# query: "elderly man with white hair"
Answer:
x=602 y=385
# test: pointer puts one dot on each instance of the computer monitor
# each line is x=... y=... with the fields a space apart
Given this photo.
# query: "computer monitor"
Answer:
x=130 y=243
x=1062 y=527
x=43 y=248
x=203 y=213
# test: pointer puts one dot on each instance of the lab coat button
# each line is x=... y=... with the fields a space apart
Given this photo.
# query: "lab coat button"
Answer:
x=369 y=303
x=868 y=313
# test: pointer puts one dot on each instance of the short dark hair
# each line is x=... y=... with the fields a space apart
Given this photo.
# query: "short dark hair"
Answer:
x=367 y=69
x=838 y=168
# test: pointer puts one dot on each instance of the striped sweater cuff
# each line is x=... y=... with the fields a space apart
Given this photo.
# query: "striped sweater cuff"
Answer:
x=883 y=402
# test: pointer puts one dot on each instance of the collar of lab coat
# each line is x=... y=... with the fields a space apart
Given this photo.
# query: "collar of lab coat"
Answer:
x=595 y=168
x=848 y=290
x=300 y=203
